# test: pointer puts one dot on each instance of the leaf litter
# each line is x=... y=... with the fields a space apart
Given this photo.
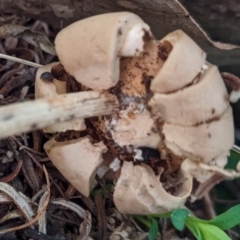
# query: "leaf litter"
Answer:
x=35 y=38
x=36 y=200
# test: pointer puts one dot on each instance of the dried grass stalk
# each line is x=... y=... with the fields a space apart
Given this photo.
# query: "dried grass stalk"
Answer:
x=27 y=116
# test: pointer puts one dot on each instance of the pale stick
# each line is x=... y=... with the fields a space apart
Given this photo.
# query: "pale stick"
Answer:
x=19 y=60
x=31 y=115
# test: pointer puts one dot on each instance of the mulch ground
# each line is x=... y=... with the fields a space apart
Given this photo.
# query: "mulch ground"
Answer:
x=57 y=210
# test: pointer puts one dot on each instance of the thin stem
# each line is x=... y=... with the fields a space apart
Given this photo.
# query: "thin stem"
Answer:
x=143 y=221
x=19 y=60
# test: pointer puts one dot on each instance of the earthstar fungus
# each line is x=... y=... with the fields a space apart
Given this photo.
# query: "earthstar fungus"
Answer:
x=170 y=100
x=65 y=156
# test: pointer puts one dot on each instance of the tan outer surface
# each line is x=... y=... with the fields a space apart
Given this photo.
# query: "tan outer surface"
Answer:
x=182 y=65
x=42 y=88
x=198 y=172
x=61 y=86
x=89 y=49
x=76 y=125
x=139 y=191
x=203 y=142
x=77 y=160
x=200 y=102
x=48 y=89
x=135 y=129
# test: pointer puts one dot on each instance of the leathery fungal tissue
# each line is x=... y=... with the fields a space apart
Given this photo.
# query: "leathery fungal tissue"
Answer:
x=174 y=122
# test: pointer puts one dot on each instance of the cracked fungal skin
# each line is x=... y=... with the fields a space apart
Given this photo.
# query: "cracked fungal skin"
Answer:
x=200 y=102
x=139 y=191
x=201 y=142
x=171 y=100
x=198 y=120
x=90 y=49
x=65 y=156
x=50 y=87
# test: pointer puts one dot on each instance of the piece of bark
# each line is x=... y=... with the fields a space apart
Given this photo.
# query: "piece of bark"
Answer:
x=162 y=16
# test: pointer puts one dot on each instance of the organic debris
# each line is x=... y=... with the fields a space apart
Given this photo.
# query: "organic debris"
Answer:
x=36 y=200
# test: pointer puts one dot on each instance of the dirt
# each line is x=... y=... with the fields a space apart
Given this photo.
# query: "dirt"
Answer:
x=22 y=161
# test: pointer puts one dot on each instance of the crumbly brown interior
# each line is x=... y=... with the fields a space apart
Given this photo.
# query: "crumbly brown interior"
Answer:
x=136 y=74
x=59 y=73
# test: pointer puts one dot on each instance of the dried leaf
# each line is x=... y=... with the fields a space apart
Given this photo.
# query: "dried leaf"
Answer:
x=89 y=203
x=72 y=206
x=11 y=215
x=29 y=172
x=22 y=53
x=8 y=100
x=12 y=175
x=85 y=227
x=9 y=74
x=11 y=30
x=42 y=219
x=37 y=39
x=18 y=200
x=70 y=191
x=15 y=83
x=40 y=211
x=4 y=198
x=11 y=43
x=101 y=217
x=24 y=92
x=39 y=193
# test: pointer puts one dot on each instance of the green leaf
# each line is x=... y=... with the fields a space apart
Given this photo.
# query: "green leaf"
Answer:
x=193 y=228
x=205 y=231
x=178 y=218
x=212 y=232
x=153 y=230
x=233 y=160
x=228 y=219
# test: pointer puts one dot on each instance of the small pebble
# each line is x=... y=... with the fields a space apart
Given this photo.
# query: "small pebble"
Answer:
x=47 y=77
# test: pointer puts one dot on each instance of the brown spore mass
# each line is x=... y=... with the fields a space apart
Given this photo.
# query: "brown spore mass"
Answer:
x=164 y=49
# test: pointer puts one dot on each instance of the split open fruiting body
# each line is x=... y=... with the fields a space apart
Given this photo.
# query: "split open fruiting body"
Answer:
x=171 y=100
x=50 y=87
